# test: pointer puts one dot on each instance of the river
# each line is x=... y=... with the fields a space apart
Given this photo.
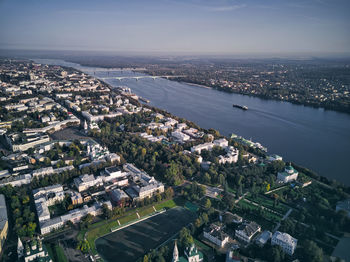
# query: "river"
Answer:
x=315 y=138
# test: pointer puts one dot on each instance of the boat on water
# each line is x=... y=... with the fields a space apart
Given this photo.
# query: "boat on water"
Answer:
x=240 y=107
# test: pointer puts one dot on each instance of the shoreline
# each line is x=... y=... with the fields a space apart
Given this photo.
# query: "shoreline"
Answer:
x=193 y=84
x=221 y=90
x=319 y=177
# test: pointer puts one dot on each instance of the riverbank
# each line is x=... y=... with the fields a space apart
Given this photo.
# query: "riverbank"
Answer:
x=286 y=129
x=192 y=84
x=266 y=97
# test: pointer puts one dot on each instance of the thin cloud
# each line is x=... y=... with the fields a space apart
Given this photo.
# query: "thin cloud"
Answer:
x=225 y=8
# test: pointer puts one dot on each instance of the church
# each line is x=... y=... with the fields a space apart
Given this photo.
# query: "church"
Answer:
x=191 y=254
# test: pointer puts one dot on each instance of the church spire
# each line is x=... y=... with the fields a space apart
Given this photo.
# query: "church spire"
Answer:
x=175 y=253
x=20 y=248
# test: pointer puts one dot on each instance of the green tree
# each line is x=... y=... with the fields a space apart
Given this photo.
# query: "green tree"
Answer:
x=84 y=246
x=207 y=204
x=172 y=174
x=185 y=237
x=311 y=252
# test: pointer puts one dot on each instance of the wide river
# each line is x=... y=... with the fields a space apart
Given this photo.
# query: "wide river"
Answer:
x=315 y=138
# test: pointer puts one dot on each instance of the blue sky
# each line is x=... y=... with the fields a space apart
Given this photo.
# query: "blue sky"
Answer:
x=185 y=26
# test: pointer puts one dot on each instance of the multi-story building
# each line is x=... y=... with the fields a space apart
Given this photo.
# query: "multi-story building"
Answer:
x=223 y=143
x=51 y=194
x=16 y=180
x=285 y=241
x=28 y=142
x=76 y=198
x=86 y=181
x=119 y=197
x=289 y=174
x=45 y=197
x=246 y=231
x=215 y=234
x=179 y=136
x=43 y=171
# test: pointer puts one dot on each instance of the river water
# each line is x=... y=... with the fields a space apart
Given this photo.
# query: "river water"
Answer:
x=315 y=138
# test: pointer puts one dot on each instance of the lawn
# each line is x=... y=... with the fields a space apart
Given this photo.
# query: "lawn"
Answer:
x=266 y=219
x=145 y=212
x=56 y=253
x=167 y=204
x=267 y=202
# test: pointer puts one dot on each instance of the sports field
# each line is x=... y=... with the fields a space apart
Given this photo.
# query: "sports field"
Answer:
x=130 y=243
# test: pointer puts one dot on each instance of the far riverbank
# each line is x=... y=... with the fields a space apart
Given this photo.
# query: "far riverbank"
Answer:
x=314 y=138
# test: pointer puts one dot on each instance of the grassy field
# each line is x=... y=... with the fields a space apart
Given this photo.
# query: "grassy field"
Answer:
x=266 y=219
x=167 y=204
x=206 y=250
x=104 y=227
x=267 y=202
x=56 y=253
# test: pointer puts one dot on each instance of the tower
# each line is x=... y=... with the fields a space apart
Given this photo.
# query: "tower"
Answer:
x=111 y=101
x=85 y=126
x=175 y=253
x=20 y=248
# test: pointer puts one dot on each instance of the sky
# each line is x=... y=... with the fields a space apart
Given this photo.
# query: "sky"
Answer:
x=184 y=26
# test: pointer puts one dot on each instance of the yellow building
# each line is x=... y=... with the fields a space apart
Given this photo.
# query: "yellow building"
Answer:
x=3 y=222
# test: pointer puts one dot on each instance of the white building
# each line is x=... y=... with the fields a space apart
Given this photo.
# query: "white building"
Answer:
x=50 y=193
x=112 y=173
x=43 y=171
x=45 y=197
x=16 y=180
x=221 y=142
x=198 y=149
x=289 y=174
x=145 y=185
x=86 y=181
x=49 y=225
x=29 y=144
x=230 y=157
x=215 y=234
x=275 y=158
x=113 y=157
x=245 y=232
x=180 y=136
x=285 y=241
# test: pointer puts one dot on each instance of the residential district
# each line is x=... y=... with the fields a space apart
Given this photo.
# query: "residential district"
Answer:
x=81 y=159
